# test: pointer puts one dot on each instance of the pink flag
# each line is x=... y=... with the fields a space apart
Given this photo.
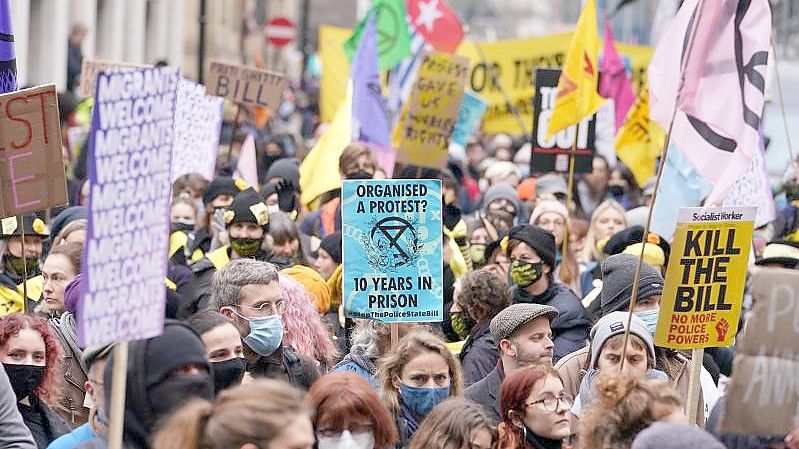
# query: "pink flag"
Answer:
x=246 y=167
x=614 y=82
x=711 y=64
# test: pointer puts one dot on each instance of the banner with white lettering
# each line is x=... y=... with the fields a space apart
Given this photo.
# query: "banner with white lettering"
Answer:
x=198 y=121
x=124 y=259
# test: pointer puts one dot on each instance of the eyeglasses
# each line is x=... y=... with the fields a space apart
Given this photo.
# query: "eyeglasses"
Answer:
x=550 y=404
x=266 y=309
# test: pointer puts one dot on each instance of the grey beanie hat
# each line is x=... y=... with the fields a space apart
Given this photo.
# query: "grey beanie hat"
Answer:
x=617 y=282
x=500 y=191
x=615 y=323
x=663 y=435
x=510 y=319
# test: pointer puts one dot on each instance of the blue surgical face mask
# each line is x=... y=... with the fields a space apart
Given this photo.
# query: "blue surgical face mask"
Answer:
x=420 y=400
x=650 y=318
x=266 y=334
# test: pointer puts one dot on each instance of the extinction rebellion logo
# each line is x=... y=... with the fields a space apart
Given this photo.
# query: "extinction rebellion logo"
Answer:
x=392 y=244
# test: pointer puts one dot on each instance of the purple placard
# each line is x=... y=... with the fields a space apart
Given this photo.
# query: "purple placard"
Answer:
x=125 y=256
x=198 y=122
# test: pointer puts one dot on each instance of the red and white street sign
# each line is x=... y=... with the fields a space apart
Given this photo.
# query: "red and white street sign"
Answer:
x=280 y=31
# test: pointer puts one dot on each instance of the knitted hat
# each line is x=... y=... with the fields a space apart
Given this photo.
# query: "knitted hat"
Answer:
x=66 y=217
x=31 y=224
x=313 y=283
x=248 y=207
x=615 y=323
x=664 y=435
x=551 y=184
x=286 y=168
x=222 y=185
x=617 y=282
x=780 y=252
x=539 y=239
x=544 y=206
x=500 y=191
x=332 y=245
x=634 y=234
x=510 y=319
x=501 y=170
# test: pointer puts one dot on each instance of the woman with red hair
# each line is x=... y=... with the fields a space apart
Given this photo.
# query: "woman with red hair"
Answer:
x=349 y=414
x=30 y=355
x=534 y=405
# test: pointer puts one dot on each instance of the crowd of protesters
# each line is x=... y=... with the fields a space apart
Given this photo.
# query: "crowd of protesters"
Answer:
x=256 y=352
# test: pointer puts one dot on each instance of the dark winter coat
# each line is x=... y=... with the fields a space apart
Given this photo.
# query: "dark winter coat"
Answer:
x=486 y=393
x=43 y=422
x=285 y=364
x=478 y=355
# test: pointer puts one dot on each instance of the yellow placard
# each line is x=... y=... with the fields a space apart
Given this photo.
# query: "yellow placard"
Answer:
x=514 y=60
x=434 y=105
x=704 y=286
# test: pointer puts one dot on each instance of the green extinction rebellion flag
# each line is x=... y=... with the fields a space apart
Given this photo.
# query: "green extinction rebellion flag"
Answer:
x=393 y=36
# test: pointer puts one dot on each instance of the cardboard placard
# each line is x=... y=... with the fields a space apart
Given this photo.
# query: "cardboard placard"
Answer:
x=553 y=154
x=704 y=288
x=245 y=85
x=434 y=107
x=392 y=250
x=763 y=394
x=198 y=122
x=90 y=68
x=32 y=173
x=125 y=258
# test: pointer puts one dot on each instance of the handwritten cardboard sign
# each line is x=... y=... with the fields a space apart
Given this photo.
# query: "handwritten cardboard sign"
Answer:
x=763 y=394
x=433 y=112
x=244 y=85
x=198 y=121
x=31 y=166
x=91 y=67
x=130 y=153
x=705 y=278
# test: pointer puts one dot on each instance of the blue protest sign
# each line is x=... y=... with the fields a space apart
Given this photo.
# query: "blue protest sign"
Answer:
x=392 y=250
x=472 y=109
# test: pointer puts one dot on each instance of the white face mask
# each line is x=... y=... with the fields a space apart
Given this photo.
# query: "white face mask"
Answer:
x=347 y=440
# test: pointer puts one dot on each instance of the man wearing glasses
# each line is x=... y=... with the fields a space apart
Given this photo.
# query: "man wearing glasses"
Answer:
x=247 y=292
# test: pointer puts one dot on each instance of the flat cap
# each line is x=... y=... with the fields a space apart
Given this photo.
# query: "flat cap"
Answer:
x=95 y=353
x=509 y=320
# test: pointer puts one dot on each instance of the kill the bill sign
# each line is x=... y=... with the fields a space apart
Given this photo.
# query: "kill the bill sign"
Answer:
x=392 y=250
x=705 y=277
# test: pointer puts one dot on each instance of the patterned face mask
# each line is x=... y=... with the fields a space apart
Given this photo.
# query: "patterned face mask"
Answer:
x=524 y=273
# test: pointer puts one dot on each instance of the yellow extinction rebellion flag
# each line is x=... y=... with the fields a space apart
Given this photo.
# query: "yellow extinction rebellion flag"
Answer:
x=640 y=140
x=577 y=87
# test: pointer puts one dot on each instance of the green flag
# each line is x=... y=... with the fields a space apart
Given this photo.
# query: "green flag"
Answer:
x=393 y=36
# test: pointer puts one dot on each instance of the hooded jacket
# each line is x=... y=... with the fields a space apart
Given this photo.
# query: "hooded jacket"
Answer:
x=150 y=361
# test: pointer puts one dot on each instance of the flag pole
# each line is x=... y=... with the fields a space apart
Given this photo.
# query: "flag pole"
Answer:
x=24 y=267
x=569 y=197
x=505 y=97
x=233 y=134
x=663 y=158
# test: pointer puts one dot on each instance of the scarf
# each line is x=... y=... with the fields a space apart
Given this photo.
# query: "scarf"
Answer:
x=358 y=356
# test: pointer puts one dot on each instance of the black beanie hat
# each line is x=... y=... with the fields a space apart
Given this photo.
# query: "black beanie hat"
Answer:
x=33 y=226
x=537 y=238
x=618 y=272
x=222 y=185
x=632 y=235
x=332 y=244
x=248 y=207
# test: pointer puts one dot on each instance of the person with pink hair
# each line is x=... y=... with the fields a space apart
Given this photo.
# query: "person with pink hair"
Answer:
x=303 y=328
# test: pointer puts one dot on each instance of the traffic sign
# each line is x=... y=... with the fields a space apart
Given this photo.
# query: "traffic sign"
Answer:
x=280 y=31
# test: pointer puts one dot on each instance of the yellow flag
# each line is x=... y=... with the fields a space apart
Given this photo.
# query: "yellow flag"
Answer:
x=319 y=170
x=640 y=140
x=577 y=87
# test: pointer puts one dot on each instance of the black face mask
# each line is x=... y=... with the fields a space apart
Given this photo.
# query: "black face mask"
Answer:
x=228 y=373
x=360 y=174
x=171 y=393
x=181 y=226
x=24 y=378
x=616 y=191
